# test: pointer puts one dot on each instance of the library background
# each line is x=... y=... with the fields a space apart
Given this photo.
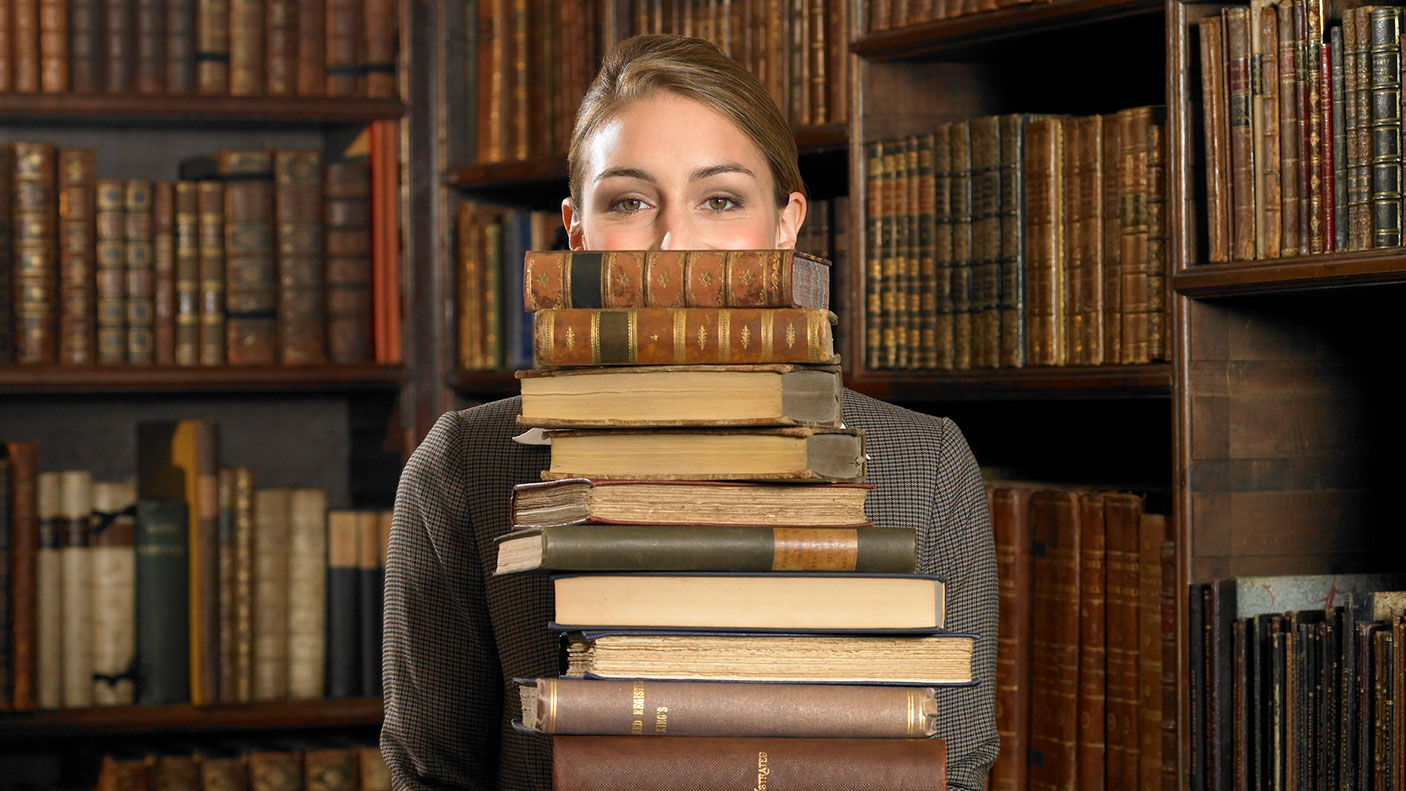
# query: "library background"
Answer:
x=1137 y=249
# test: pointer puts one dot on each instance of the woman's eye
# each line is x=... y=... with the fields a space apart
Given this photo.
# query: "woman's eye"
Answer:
x=720 y=203
x=629 y=205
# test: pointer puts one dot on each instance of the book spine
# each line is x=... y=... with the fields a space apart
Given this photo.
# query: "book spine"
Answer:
x=873 y=259
x=1010 y=521
x=1240 y=100
x=243 y=584
x=112 y=549
x=36 y=275
x=180 y=62
x=468 y=279
x=1385 y=44
x=1329 y=136
x=270 y=594
x=1071 y=294
x=24 y=37
x=225 y=497
x=163 y=253
x=1219 y=709
x=280 y=45
x=210 y=202
x=378 y=53
x=251 y=296
x=202 y=491
x=1338 y=105
x=681 y=336
x=986 y=242
x=1090 y=289
x=298 y=208
x=1123 y=515
x=150 y=47
x=891 y=257
x=343 y=618
x=212 y=39
x=1269 y=133
x=7 y=250
x=49 y=597
x=307 y=593
x=228 y=773
x=1133 y=132
x=942 y=226
x=176 y=773
x=111 y=259
x=77 y=267
x=1044 y=236
x=1095 y=699
x=187 y=273
x=906 y=215
x=1213 y=112
x=140 y=271
x=588 y=763
x=1289 y=127
x=84 y=45
x=1311 y=49
x=1054 y=675
x=77 y=590
x=518 y=109
x=838 y=18
x=1112 y=242
x=343 y=18
x=370 y=578
x=1159 y=320
x=1151 y=531
x=53 y=46
x=246 y=47
x=7 y=666
x=348 y=266
x=330 y=770
x=119 y=42
x=926 y=225
x=275 y=771
x=1362 y=23
x=691 y=709
x=162 y=543
x=311 y=48
x=960 y=186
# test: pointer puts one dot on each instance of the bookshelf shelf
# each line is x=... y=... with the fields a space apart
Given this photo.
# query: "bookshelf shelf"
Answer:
x=129 y=720
x=1034 y=383
x=1301 y=273
x=483 y=384
x=112 y=111
x=24 y=379
x=961 y=35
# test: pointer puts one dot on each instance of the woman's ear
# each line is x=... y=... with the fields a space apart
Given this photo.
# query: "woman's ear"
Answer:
x=575 y=235
x=788 y=224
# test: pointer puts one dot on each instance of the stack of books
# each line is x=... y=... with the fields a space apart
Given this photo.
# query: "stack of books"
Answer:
x=718 y=580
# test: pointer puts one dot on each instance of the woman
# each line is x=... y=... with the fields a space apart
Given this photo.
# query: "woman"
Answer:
x=675 y=146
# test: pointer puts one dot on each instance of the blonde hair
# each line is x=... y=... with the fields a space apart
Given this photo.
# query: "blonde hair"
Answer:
x=695 y=69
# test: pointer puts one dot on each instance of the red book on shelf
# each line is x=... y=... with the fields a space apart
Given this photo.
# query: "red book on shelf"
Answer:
x=385 y=230
x=24 y=564
x=53 y=46
x=24 y=37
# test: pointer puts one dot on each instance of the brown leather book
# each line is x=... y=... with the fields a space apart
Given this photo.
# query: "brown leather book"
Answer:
x=894 y=265
x=1308 y=13
x=588 y=763
x=1331 y=135
x=1133 y=125
x=875 y=230
x=518 y=109
x=1091 y=185
x=275 y=771
x=24 y=564
x=298 y=209
x=347 y=225
x=986 y=242
x=24 y=32
x=246 y=47
x=244 y=584
x=837 y=69
x=681 y=336
x=119 y=46
x=1094 y=706
x=1167 y=608
x=1054 y=675
x=210 y=201
x=1239 y=106
x=36 y=273
x=175 y=773
x=111 y=258
x=1290 y=147
x=250 y=280
x=1268 y=221
x=127 y=774
x=925 y=252
x=816 y=51
x=1010 y=522
x=49 y=597
x=280 y=47
x=311 y=48
x=7 y=301
x=378 y=50
x=270 y=594
x=1151 y=531
x=1361 y=228
x=180 y=46
x=1159 y=318
x=150 y=46
x=960 y=190
x=1112 y=242
x=492 y=119
x=212 y=46
x=1075 y=218
x=1044 y=241
x=224 y=774
x=53 y=46
x=375 y=775
x=1217 y=163
x=77 y=267
x=1123 y=520
x=675 y=279
x=330 y=770
x=140 y=272
x=226 y=516
x=797 y=107
x=186 y=235
x=7 y=696
x=85 y=36
x=163 y=252
x=7 y=43
x=343 y=19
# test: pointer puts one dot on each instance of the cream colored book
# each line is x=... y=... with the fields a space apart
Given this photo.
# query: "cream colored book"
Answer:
x=270 y=582
x=307 y=592
x=572 y=501
x=794 y=454
x=114 y=594
x=86 y=576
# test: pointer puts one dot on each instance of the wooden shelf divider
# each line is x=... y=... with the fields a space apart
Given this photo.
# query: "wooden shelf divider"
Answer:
x=1014 y=384
x=130 y=720
x=92 y=379
x=104 y=110
x=1299 y=273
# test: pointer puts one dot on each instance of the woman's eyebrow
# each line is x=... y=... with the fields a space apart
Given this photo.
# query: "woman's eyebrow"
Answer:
x=714 y=170
x=629 y=173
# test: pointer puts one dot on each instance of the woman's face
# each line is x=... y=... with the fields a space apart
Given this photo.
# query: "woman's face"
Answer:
x=669 y=173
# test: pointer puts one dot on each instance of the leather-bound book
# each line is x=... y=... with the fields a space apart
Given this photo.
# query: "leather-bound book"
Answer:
x=110 y=251
x=343 y=61
x=518 y=95
x=49 y=597
x=77 y=264
x=212 y=46
x=246 y=47
x=1112 y=241
x=588 y=763
x=119 y=46
x=251 y=287
x=7 y=698
x=1328 y=136
x=925 y=250
x=112 y=547
x=1074 y=220
x=163 y=254
x=7 y=250
x=1044 y=241
x=343 y=616
x=150 y=24
x=1011 y=261
x=1385 y=66
x=1361 y=21
x=1123 y=521
x=210 y=204
x=78 y=589
x=311 y=47
x=243 y=584
x=1010 y=523
x=1151 y=531
x=379 y=49
x=1219 y=709
x=1291 y=242
x=1091 y=287
x=1217 y=162
x=347 y=223
x=892 y=296
x=175 y=773
x=36 y=273
x=370 y=579
x=942 y=210
x=163 y=596
x=298 y=208
x=375 y=774
x=960 y=190
x=875 y=229
x=140 y=272
x=685 y=709
x=281 y=47
x=910 y=299
x=1159 y=319
x=331 y=770
x=224 y=774
x=491 y=121
x=186 y=235
x=1239 y=105
x=798 y=65
x=1268 y=221
x=24 y=37
x=125 y=774
x=85 y=46
x=1197 y=661
x=986 y=242
x=270 y=602
x=468 y=241
x=225 y=503
x=1093 y=702
x=1054 y=676
x=837 y=16
x=1133 y=125
x=681 y=336
x=53 y=46
x=24 y=568
x=275 y=771
x=307 y=592
x=1338 y=105
x=1311 y=87
x=385 y=240
x=675 y=279
x=180 y=65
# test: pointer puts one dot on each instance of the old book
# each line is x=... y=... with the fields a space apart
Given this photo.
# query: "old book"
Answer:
x=375 y=774
x=1090 y=184
x=1269 y=220
x=1217 y=162
x=7 y=250
x=1385 y=66
x=187 y=275
x=942 y=356
x=1338 y=106
x=347 y=223
x=140 y=271
x=876 y=226
x=175 y=773
x=307 y=592
x=212 y=46
x=298 y=212
x=385 y=241
x=280 y=47
x=163 y=596
x=1010 y=523
x=1159 y=317
x=986 y=242
x=370 y=581
x=1112 y=241
x=49 y=597
x=180 y=461
x=275 y=771
x=311 y=46
x=24 y=562
x=1134 y=132
x=219 y=773
x=941 y=658
x=1044 y=241
x=1123 y=521
x=1220 y=720
x=251 y=284
x=676 y=279
x=7 y=698
x=112 y=549
x=468 y=277
x=163 y=255
x=925 y=252
x=378 y=48
x=224 y=498
x=1290 y=147
x=24 y=43
x=895 y=264
x=343 y=606
x=1361 y=21
x=1152 y=531
x=53 y=46
x=750 y=548
x=180 y=42
x=210 y=203
x=1012 y=255
x=270 y=594
x=84 y=46
x=77 y=267
x=244 y=525
x=119 y=46
x=124 y=774
x=792 y=601
x=343 y=18
x=330 y=769
x=1095 y=700
x=734 y=395
x=1072 y=293
x=1197 y=662
x=246 y=47
x=149 y=28
x=681 y=336
x=1239 y=107
x=579 y=501
x=1310 y=82
x=36 y=264
x=1054 y=677
x=684 y=708
x=790 y=453
x=960 y=189
x=1325 y=112
x=85 y=554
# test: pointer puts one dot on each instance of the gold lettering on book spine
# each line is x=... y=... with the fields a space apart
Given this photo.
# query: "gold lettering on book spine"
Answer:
x=912 y=715
x=726 y=297
x=527 y=280
x=768 y=319
x=566 y=262
x=607 y=262
x=633 y=328
x=595 y=337
x=813 y=336
x=724 y=335
x=547 y=320
x=551 y=705
x=647 y=275
x=681 y=337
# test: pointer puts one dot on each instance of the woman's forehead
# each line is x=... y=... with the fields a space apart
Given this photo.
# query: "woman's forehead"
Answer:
x=667 y=135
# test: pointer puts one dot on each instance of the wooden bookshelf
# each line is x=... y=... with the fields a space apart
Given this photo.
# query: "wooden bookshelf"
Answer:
x=97 y=380
x=1299 y=273
x=133 y=720
x=195 y=110
x=1015 y=384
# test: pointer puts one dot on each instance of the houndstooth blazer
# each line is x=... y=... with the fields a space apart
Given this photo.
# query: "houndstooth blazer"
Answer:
x=455 y=635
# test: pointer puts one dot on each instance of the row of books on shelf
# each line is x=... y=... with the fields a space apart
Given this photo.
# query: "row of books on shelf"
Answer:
x=252 y=257
x=188 y=584
x=273 y=768
x=530 y=64
x=880 y=15
x=182 y=47
x=1301 y=122
x=1016 y=240
x=1294 y=681
x=492 y=243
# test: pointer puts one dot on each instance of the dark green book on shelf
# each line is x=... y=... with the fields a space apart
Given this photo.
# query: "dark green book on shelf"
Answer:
x=343 y=610
x=163 y=602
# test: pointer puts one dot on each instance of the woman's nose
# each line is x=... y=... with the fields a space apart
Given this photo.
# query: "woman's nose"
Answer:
x=676 y=230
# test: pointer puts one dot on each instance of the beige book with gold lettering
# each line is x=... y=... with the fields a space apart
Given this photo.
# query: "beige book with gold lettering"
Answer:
x=114 y=593
x=270 y=599
x=307 y=592
x=80 y=586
